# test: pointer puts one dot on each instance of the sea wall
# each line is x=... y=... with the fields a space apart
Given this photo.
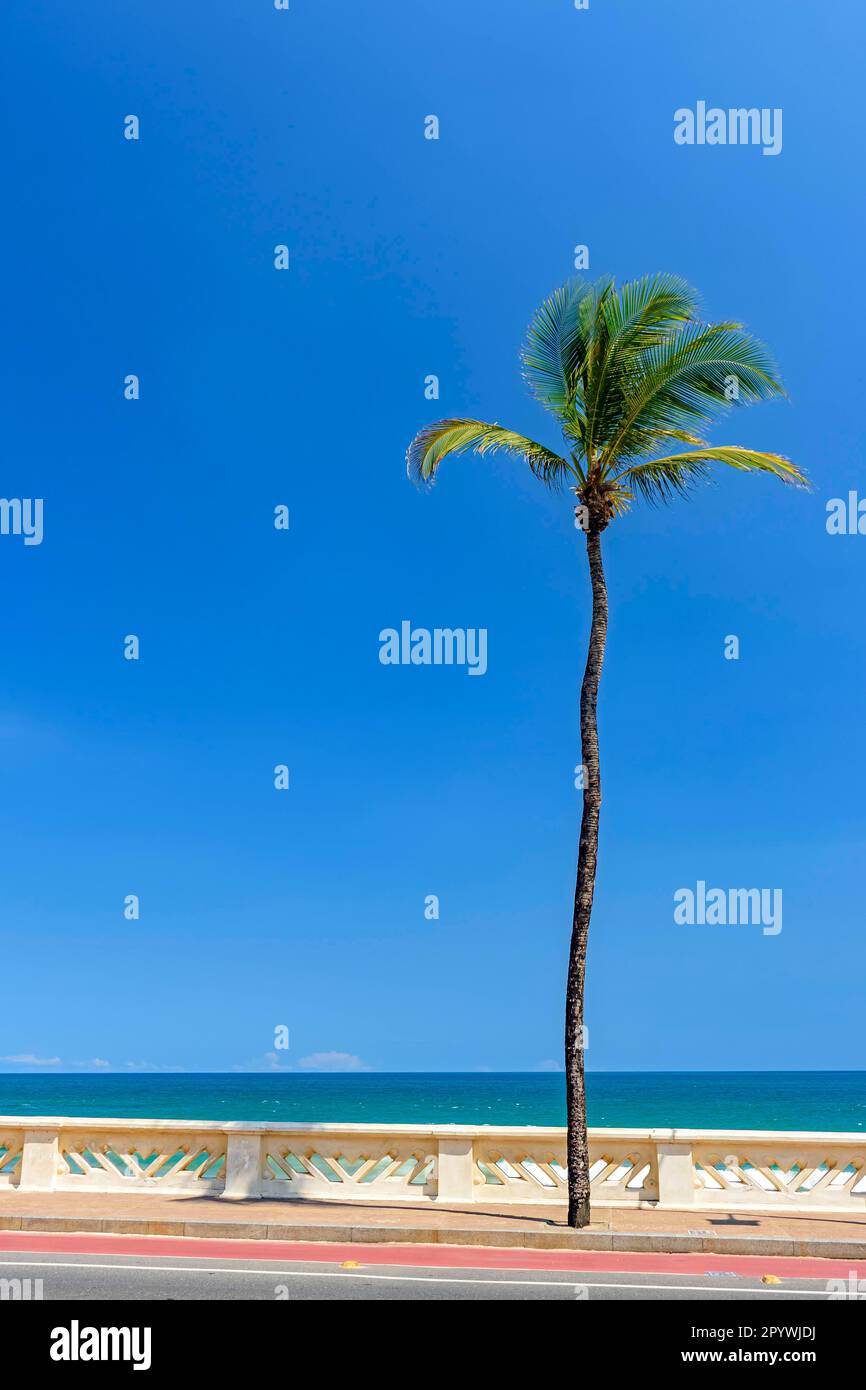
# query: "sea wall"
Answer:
x=758 y=1170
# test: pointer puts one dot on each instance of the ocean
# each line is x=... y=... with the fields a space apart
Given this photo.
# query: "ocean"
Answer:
x=811 y=1100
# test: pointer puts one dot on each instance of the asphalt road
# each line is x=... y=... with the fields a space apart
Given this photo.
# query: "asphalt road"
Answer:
x=135 y=1277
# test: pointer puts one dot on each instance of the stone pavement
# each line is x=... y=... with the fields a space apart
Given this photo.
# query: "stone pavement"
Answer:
x=831 y=1236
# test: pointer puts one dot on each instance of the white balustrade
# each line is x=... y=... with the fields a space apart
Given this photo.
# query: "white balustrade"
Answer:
x=450 y=1164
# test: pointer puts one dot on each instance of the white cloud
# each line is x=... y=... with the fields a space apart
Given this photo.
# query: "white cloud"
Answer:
x=26 y=1059
x=269 y=1062
x=549 y=1065
x=332 y=1061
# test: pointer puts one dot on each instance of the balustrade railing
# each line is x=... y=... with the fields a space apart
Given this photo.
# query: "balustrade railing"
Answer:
x=455 y=1164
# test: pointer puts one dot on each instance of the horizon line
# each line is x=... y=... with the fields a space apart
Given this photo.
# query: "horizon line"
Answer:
x=485 y=1071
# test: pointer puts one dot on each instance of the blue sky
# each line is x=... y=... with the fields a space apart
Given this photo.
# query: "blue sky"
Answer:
x=410 y=257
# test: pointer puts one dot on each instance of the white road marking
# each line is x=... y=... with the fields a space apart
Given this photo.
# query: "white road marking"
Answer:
x=278 y=1274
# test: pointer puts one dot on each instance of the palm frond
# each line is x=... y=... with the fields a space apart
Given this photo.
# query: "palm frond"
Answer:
x=556 y=348
x=643 y=308
x=431 y=445
x=638 y=316
x=660 y=480
x=684 y=437
x=686 y=380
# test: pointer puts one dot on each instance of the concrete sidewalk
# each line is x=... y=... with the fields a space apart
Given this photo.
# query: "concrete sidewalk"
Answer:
x=831 y=1237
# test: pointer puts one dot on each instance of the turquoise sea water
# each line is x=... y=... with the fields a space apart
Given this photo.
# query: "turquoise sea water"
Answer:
x=696 y=1100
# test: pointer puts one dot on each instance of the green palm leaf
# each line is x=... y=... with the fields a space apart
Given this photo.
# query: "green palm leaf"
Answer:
x=659 y=480
x=557 y=345
x=431 y=445
x=685 y=380
x=642 y=315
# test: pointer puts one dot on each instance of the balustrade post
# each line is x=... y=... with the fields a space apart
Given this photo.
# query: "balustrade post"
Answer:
x=455 y=1168
x=39 y=1159
x=243 y=1166
x=676 y=1169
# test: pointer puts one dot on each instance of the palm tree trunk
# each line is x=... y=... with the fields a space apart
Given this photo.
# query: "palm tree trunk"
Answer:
x=578 y=1146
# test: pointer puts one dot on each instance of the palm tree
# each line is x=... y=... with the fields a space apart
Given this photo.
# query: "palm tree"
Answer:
x=627 y=373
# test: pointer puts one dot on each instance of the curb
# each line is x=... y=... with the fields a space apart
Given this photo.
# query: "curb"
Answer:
x=660 y=1243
